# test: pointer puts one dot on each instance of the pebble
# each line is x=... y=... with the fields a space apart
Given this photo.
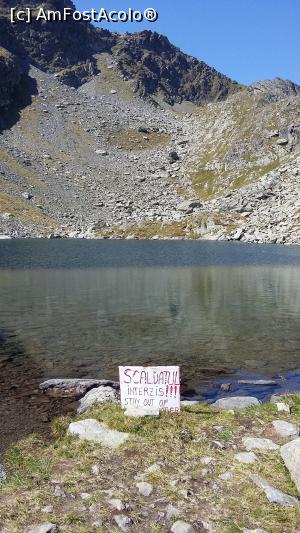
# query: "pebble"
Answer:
x=144 y=488
x=246 y=457
x=123 y=522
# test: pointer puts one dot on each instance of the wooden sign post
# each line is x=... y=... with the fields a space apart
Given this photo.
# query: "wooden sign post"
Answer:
x=153 y=388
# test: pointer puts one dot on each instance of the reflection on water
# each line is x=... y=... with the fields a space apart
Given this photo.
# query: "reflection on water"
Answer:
x=86 y=321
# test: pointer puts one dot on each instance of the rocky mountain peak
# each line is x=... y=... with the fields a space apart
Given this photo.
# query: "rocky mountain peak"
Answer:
x=275 y=89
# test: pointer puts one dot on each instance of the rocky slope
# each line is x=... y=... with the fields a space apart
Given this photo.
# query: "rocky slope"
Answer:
x=81 y=154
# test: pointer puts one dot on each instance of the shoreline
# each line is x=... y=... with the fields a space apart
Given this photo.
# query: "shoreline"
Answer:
x=43 y=405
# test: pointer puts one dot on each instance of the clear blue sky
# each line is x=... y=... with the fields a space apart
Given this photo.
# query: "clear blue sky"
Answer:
x=248 y=40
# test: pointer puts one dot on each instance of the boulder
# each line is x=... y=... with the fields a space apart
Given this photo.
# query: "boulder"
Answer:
x=101 y=394
x=274 y=495
x=285 y=429
x=236 y=402
x=290 y=454
x=94 y=431
x=74 y=388
x=255 y=443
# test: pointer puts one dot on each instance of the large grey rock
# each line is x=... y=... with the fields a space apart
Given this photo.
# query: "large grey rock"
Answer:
x=236 y=402
x=94 y=431
x=101 y=394
x=246 y=457
x=255 y=443
x=290 y=453
x=285 y=429
x=182 y=527
x=274 y=495
x=43 y=528
x=76 y=388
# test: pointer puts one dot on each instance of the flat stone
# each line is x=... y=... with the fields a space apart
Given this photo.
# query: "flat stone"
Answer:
x=226 y=476
x=290 y=454
x=48 y=509
x=252 y=443
x=142 y=411
x=246 y=457
x=3 y=237
x=285 y=429
x=188 y=403
x=206 y=460
x=182 y=527
x=123 y=522
x=43 y=528
x=236 y=402
x=144 y=488
x=257 y=530
x=101 y=394
x=94 y=431
x=272 y=494
x=75 y=388
x=283 y=407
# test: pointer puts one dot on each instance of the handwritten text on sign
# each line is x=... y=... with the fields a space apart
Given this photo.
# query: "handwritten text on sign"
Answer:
x=152 y=387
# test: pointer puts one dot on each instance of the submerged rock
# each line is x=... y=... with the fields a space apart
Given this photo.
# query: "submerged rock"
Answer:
x=94 y=431
x=290 y=453
x=236 y=402
x=274 y=495
x=101 y=394
x=74 y=388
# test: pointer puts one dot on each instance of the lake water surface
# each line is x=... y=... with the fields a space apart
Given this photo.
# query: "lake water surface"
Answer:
x=80 y=308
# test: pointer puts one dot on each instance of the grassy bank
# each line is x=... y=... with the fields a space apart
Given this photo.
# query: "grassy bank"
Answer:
x=188 y=458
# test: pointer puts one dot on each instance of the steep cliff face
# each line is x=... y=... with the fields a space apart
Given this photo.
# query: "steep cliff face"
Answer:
x=156 y=67
x=9 y=77
x=152 y=64
x=65 y=47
